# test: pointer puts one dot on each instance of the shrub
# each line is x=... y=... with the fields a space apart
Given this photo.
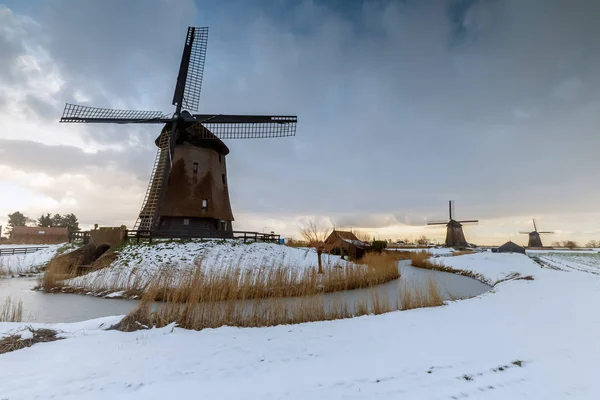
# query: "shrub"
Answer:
x=378 y=245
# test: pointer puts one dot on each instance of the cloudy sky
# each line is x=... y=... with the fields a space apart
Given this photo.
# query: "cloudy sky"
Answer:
x=402 y=105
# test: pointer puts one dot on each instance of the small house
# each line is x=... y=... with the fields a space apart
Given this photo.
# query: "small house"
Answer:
x=510 y=247
x=346 y=243
x=39 y=235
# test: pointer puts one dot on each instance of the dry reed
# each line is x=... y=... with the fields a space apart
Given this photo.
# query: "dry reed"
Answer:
x=229 y=283
x=16 y=342
x=11 y=311
x=194 y=309
x=412 y=297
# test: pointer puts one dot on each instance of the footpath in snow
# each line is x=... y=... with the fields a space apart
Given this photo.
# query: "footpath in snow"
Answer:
x=524 y=340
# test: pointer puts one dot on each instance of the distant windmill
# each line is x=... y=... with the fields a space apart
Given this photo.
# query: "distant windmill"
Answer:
x=454 y=233
x=534 y=237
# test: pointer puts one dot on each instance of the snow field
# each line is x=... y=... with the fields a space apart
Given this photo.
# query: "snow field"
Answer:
x=586 y=262
x=491 y=268
x=19 y=264
x=525 y=340
x=138 y=265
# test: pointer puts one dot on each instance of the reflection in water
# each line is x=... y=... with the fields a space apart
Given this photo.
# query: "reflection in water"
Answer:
x=43 y=307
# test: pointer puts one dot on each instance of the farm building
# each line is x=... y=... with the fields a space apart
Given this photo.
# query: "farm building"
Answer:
x=39 y=235
x=510 y=247
x=346 y=244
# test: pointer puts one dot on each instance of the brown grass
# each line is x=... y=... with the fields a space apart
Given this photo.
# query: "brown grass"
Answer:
x=11 y=311
x=198 y=315
x=15 y=342
x=233 y=283
x=64 y=267
x=412 y=297
x=195 y=309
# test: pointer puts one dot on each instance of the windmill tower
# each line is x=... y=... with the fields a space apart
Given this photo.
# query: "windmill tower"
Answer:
x=454 y=232
x=534 y=237
x=188 y=191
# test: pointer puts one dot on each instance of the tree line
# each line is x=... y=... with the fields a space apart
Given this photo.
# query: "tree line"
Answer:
x=68 y=221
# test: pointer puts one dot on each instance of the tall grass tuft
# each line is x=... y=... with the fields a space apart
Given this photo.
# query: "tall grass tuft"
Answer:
x=11 y=311
x=412 y=297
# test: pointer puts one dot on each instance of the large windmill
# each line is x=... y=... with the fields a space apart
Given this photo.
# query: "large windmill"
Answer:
x=534 y=237
x=188 y=185
x=454 y=232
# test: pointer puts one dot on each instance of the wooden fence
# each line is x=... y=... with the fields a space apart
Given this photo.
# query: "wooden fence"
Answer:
x=246 y=236
x=19 y=250
x=138 y=235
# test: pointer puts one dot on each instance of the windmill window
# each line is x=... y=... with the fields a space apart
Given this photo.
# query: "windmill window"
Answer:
x=223 y=178
x=204 y=204
x=186 y=221
x=195 y=173
x=220 y=159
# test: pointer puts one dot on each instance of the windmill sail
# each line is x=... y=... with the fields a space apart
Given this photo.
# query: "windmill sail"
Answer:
x=86 y=114
x=248 y=126
x=191 y=69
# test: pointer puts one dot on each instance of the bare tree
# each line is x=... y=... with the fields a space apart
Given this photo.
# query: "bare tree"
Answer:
x=316 y=239
x=570 y=244
x=363 y=237
x=422 y=240
x=593 y=244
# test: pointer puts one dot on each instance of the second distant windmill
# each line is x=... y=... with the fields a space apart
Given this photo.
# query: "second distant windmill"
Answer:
x=534 y=237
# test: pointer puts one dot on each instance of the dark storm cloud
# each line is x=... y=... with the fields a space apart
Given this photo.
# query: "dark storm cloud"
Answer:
x=29 y=156
x=402 y=105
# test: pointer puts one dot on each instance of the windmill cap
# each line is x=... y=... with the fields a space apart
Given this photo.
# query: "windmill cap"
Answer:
x=197 y=135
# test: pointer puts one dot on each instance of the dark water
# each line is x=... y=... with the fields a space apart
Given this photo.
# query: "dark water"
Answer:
x=48 y=307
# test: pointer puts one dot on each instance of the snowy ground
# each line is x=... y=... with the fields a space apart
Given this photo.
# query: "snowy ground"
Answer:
x=441 y=251
x=578 y=251
x=27 y=263
x=581 y=261
x=140 y=262
x=524 y=340
x=490 y=267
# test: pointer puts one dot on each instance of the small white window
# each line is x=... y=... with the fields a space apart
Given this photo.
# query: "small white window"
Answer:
x=186 y=221
x=204 y=204
x=42 y=232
